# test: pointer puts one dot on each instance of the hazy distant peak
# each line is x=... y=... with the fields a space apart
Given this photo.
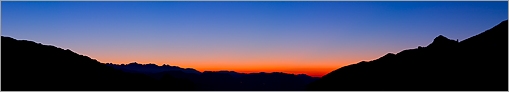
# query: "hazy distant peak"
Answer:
x=220 y=71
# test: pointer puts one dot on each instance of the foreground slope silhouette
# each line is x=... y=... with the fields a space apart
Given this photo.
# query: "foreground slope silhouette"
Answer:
x=30 y=66
x=479 y=63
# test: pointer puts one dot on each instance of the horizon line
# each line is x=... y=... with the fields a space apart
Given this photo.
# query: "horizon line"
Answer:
x=212 y=70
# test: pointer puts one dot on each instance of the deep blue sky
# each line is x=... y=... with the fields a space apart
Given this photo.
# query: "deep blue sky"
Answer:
x=295 y=34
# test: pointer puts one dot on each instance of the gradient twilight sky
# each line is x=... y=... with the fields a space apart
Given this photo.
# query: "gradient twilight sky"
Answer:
x=295 y=37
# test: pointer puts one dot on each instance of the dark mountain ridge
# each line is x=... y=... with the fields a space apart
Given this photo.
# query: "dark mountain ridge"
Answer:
x=479 y=63
x=223 y=80
x=30 y=66
x=151 y=68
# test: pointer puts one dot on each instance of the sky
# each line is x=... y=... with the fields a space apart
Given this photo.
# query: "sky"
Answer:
x=311 y=38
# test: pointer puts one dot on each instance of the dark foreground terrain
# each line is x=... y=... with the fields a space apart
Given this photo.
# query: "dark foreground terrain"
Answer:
x=478 y=63
x=31 y=66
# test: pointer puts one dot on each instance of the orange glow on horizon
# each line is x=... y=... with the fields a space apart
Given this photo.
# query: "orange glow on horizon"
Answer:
x=291 y=61
x=314 y=70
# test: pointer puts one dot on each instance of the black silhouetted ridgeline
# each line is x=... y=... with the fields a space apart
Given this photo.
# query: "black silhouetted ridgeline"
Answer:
x=479 y=63
x=223 y=80
x=30 y=66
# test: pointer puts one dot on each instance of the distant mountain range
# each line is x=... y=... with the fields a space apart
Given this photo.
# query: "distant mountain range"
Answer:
x=479 y=63
x=223 y=80
x=151 y=68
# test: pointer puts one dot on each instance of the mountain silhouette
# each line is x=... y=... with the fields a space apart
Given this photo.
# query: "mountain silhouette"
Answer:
x=479 y=63
x=223 y=80
x=30 y=66
x=150 y=68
